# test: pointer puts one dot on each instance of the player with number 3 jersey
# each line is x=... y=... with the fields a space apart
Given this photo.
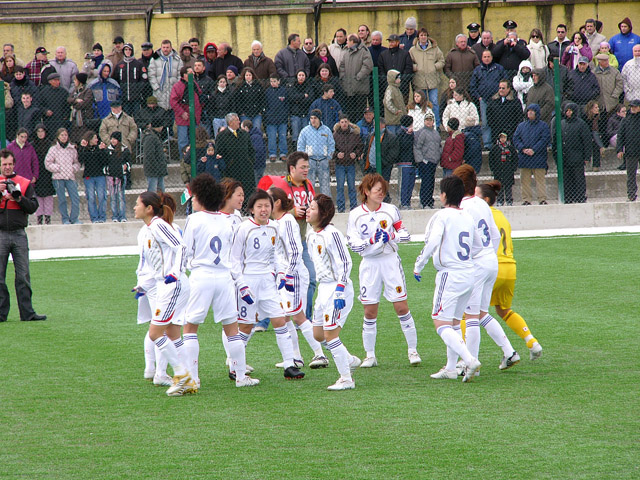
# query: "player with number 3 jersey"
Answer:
x=374 y=231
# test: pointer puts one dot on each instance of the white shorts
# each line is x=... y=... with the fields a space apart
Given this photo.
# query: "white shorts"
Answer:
x=486 y=271
x=266 y=301
x=451 y=296
x=324 y=315
x=378 y=271
x=171 y=302
x=211 y=291
x=147 y=300
x=296 y=301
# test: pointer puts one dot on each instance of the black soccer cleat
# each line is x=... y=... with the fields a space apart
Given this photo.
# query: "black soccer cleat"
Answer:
x=293 y=373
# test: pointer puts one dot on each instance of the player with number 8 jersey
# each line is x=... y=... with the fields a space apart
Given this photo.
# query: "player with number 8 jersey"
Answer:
x=374 y=231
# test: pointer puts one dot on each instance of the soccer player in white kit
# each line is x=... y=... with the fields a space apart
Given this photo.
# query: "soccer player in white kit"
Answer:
x=335 y=290
x=208 y=237
x=293 y=278
x=374 y=232
x=164 y=249
x=254 y=271
x=484 y=253
x=449 y=238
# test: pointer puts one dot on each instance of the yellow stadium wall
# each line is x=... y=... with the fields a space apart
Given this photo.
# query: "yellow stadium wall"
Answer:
x=443 y=22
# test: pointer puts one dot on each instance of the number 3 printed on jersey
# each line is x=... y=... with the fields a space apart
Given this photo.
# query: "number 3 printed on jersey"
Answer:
x=482 y=224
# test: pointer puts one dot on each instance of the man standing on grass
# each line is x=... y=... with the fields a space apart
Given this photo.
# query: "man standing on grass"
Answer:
x=17 y=203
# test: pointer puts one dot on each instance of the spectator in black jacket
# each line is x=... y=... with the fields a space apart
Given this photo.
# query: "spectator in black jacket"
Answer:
x=53 y=102
x=20 y=84
x=225 y=60
x=582 y=84
x=93 y=158
x=301 y=95
x=207 y=88
x=131 y=75
x=398 y=59
x=576 y=150
x=629 y=147
x=152 y=113
x=511 y=50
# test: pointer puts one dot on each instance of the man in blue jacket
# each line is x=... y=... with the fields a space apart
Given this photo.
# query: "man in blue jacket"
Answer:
x=622 y=43
x=531 y=140
x=317 y=141
x=484 y=85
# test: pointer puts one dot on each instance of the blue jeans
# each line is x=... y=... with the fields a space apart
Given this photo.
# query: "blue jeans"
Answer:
x=183 y=137
x=118 y=204
x=297 y=124
x=306 y=258
x=319 y=170
x=155 y=184
x=427 y=172
x=218 y=123
x=432 y=95
x=258 y=173
x=407 y=182
x=15 y=242
x=281 y=145
x=486 y=130
x=257 y=120
x=95 y=188
x=350 y=172
x=72 y=189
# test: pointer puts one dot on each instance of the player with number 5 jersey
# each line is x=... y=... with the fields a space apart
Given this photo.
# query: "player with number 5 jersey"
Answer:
x=448 y=239
x=254 y=272
x=485 y=246
x=374 y=232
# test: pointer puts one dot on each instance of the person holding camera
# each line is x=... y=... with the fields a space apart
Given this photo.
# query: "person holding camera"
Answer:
x=17 y=203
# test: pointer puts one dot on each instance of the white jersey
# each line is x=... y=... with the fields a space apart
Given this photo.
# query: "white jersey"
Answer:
x=163 y=248
x=289 y=246
x=448 y=238
x=363 y=224
x=235 y=218
x=487 y=237
x=208 y=237
x=329 y=254
x=253 y=250
x=145 y=273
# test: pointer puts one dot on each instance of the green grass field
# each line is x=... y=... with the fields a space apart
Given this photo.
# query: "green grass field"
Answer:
x=73 y=404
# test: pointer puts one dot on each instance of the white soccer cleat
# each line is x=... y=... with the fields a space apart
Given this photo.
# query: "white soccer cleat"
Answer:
x=470 y=370
x=247 y=382
x=296 y=362
x=319 y=361
x=535 y=352
x=369 y=362
x=191 y=387
x=259 y=328
x=162 y=380
x=443 y=373
x=354 y=363
x=180 y=385
x=342 y=384
x=460 y=366
x=149 y=374
x=507 y=363
x=248 y=368
x=414 y=359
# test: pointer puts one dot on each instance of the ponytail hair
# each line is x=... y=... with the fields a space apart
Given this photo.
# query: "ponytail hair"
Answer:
x=163 y=205
x=490 y=190
x=286 y=203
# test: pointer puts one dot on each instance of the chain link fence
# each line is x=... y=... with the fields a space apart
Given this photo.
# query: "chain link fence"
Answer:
x=91 y=150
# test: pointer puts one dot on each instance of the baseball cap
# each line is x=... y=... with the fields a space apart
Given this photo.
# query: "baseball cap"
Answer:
x=53 y=76
x=116 y=103
x=368 y=110
x=211 y=48
x=41 y=50
x=634 y=103
x=583 y=60
x=429 y=115
x=147 y=46
x=394 y=38
x=118 y=39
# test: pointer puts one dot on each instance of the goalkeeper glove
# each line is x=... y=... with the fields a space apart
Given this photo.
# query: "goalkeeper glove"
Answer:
x=417 y=276
x=339 y=301
x=170 y=279
x=246 y=295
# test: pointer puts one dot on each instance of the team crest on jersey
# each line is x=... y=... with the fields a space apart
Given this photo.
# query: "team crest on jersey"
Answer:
x=326 y=318
x=288 y=305
x=149 y=240
x=383 y=224
x=157 y=312
x=319 y=249
x=273 y=240
x=399 y=289
x=257 y=319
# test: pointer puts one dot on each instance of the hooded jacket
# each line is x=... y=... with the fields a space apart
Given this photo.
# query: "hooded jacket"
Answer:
x=533 y=134
x=523 y=82
x=576 y=137
x=347 y=142
x=163 y=79
x=428 y=65
x=622 y=44
x=105 y=91
x=130 y=74
x=394 y=107
x=542 y=93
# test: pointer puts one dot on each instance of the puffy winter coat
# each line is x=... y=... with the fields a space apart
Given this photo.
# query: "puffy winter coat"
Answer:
x=523 y=82
x=62 y=162
x=465 y=111
x=533 y=134
x=428 y=65
x=355 y=68
x=485 y=79
x=347 y=142
x=162 y=81
x=393 y=101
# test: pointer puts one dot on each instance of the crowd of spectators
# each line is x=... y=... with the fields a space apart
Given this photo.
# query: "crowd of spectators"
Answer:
x=100 y=114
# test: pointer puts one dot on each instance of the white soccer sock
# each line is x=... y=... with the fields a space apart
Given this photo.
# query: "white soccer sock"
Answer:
x=161 y=362
x=168 y=350
x=238 y=359
x=369 y=331
x=225 y=344
x=191 y=352
x=472 y=336
x=495 y=331
x=341 y=357
x=149 y=354
x=294 y=339
x=454 y=341
x=452 y=356
x=307 y=331
x=245 y=336
x=179 y=344
x=409 y=329
x=283 y=338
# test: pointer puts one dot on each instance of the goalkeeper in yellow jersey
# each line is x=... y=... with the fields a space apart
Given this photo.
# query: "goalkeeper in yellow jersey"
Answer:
x=502 y=294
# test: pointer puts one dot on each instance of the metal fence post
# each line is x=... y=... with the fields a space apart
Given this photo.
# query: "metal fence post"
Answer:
x=558 y=127
x=376 y=121
x=192 y=125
